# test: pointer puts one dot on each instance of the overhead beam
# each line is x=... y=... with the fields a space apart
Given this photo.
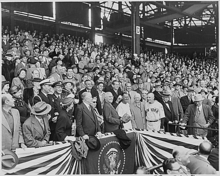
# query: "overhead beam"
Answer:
x=183 y=13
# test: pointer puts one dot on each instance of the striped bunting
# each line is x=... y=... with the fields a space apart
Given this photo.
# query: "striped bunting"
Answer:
x=153 y=147
x=52 y=160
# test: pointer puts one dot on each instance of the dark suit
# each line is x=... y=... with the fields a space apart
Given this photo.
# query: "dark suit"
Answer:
x=49 y=100
x=111 y=118
x=185 y=102
x=94 y=93
x=170 y=116
x=86 y=121
x=115 y=95
x=57 y=101
x=158 y=97
x=34 y=133
x=5 y=46
x=63 y=126
x=190 y=113
x=214 y=158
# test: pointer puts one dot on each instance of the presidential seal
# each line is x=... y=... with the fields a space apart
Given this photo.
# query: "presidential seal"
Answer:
x=111 y=159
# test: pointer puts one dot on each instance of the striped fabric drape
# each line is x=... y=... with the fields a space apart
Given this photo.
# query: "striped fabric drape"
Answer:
x=151 y=148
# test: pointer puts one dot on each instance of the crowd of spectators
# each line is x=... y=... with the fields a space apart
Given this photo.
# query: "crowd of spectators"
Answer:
x=80 y=88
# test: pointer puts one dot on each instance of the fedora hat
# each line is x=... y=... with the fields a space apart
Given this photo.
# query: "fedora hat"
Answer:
x=9 y=159
x=67 y=101
x=198 y=97
x=190 y=89
x=93 y=143
x=178 y=84
x=166 y=93
x=41 y=108
x=124 y=140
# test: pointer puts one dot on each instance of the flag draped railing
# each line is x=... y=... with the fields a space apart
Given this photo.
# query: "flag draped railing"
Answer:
x=147 y=149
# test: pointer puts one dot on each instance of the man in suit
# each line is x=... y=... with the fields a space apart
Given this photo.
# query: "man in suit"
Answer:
x=112 y=121
x=12 y=136
x=131 y=93
x=48 y=98
x=168 y=111
x=157 y=92
x=86 y=120
x=94 y=92
x=116 y=92
x=198 y=115
x=188 y=99
x=5 y=44
x=36 y=128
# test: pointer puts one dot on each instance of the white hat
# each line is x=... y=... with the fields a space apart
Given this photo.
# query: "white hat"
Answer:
x=46 y=81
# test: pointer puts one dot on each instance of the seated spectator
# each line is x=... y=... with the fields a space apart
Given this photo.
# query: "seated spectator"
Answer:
x=12 y=136
x=63 y=128
x=36 y=128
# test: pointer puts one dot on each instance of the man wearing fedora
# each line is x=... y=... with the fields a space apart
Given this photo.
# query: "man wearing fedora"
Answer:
x=36 y=128
x=48 y=98
x=12 y=136
x=198 y=115
x=168 y=111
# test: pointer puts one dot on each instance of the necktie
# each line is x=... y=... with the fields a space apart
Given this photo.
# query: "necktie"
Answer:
x=42 y=123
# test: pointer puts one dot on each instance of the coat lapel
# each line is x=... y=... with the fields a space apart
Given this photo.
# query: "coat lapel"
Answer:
x=5 y=123
x=14 y=115
x=88 y=112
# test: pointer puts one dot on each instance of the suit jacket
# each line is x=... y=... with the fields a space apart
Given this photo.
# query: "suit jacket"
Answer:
x=86 y=121
x=34 y=133
x=11 y=140
x=94 y=93
x=115 y=95
x=190 y=113
x=199 y=165
x=185 y=102
x=177 y=108
x=158 y=97
x=63 y=126
x=214 y=158
x=111 y=118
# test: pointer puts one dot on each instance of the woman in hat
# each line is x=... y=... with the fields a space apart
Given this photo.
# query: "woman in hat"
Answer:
x=5 y=87
x=20 y=104
x=20 y=80
x=30 y=93
x=63 y=130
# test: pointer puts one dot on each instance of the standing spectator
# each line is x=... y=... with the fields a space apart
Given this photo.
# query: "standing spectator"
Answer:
x=20 y=80
x=86 y=120
x=124 y=109
x=100 y=87
x=154 y=113
x=188 y=99
x=131 y=93
x=112 y=121
x=198 y=115
x=5 y=44
x=12 y=136
x=94 y=92
x=116 y=92
x=168 y=111
x=36 y=128
x=138 y=112
x=157 y=92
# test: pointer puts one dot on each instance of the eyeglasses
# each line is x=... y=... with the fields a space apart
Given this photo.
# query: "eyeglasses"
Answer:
x=94 y=102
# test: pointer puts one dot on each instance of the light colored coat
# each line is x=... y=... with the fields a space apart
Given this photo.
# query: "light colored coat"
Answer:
x=33 y=132
x=11 y=140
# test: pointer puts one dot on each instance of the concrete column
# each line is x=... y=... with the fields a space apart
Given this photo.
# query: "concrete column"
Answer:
x=92 y=32
x=121 y=19
x=171 y=37
x=135 y=23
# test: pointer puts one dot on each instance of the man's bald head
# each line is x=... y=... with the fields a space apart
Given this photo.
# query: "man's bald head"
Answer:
x=150 y=97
